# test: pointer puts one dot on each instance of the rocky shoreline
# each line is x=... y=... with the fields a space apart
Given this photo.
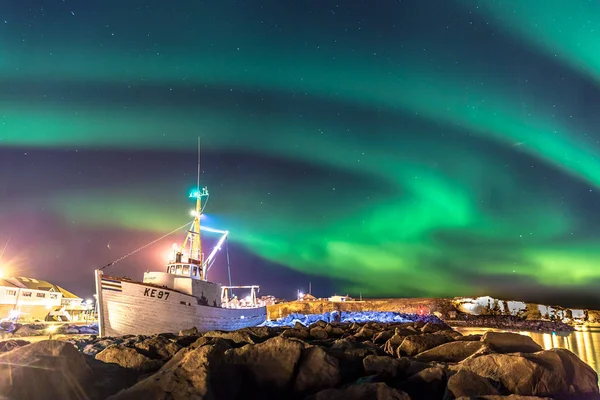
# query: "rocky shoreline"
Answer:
x=412 y=357
x=9 y=330
x=509 y=323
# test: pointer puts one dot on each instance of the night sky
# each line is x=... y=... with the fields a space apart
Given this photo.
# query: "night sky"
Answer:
x=390 y=148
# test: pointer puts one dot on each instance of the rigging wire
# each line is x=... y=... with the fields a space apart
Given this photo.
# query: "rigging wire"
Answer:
x=144 y=246
x=228 y=266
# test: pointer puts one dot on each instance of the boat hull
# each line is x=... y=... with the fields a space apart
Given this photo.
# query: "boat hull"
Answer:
x=135 y=308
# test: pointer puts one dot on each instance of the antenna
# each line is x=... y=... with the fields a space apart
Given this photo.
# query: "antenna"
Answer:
x=198 y=184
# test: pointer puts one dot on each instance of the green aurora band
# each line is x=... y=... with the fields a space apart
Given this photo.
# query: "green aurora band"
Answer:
x=431 y=224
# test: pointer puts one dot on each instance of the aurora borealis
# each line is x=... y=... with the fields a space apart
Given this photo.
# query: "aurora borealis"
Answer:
x=438 y=148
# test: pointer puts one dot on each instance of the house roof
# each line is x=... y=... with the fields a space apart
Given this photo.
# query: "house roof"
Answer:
x=6 y=282
x=36 y=284
x=66 y=294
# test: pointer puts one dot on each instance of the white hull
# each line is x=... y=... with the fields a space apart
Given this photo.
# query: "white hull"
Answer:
x=135 y=308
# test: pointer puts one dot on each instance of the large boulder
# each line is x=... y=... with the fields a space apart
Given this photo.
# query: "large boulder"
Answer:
x=318 y=370
x=266 y=369
x=44 y=370
x=450 y=352
x=318 y=332
x=8 y=345
x=392 y=368
x=510 y=397
x=432 y=327
x=466 y=383
x=158 y=347
x=552 y=373
x=413 y=345
x=27 y=330
x=127 y=357
x=427 y=384
x=241 y=337
x=392 y=344
x=507 y=342
x=361 y=391
x=350 y=356
x=383 y=337
x=191 y=374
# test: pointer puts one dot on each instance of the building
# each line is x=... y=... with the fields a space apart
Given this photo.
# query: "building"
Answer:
x=31 y=299
x=337 y=299
x=307 y=297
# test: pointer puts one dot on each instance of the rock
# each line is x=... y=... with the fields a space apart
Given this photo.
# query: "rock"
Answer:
x=469 y=338
x=418 y=324
x=350 y=356
x=450 y=352
x=318 y=333
x=366 y=332
x=319 y=324
x=8 y=345
x=427 y=384
x=68 y=330
x=47 y=369
x=265 y=369
x=413 y=345
x=363 y=391
x=27 y=330
x=193 y=331
x=296 y=333
x=259 y=333
x=158 y=347
x=382 y=337
x=433 y=327
x=552 y=373
x=388 y=367
x=467 y=383
x=236 y=336
x=188 y=375
x=318 y=370
x=127 y=357
x=510 y=397
x=507 y=342
x=392 y=344
x=299 y=326
x=334 y=330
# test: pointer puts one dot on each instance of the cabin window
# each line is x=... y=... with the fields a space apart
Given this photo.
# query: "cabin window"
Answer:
x=186 y=270
x=178 y=270
x=40 y=295
x=54 y=296
x=195 y=271
x=26 y=294
x=11 y=292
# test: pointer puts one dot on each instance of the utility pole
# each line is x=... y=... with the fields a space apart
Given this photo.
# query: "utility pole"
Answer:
x=309 y=288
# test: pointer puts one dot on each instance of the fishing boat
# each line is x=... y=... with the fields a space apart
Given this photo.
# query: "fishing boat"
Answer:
x=180 y=297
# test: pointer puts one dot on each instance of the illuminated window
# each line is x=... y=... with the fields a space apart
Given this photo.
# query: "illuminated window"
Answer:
x=195 y=271
x=11 y=292
x=42 y=295
x=26 y=294
x=178 y=270
x=186 y=270
x=54 y=296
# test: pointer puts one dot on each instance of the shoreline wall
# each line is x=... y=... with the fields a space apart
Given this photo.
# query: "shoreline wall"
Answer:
x=440 y=307
x=421 y=306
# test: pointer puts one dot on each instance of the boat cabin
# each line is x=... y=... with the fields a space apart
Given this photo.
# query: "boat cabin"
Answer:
x=189 y=278
x=194 y=271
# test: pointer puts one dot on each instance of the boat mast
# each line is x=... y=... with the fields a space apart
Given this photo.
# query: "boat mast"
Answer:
x=196 y=249
x=193 y=236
